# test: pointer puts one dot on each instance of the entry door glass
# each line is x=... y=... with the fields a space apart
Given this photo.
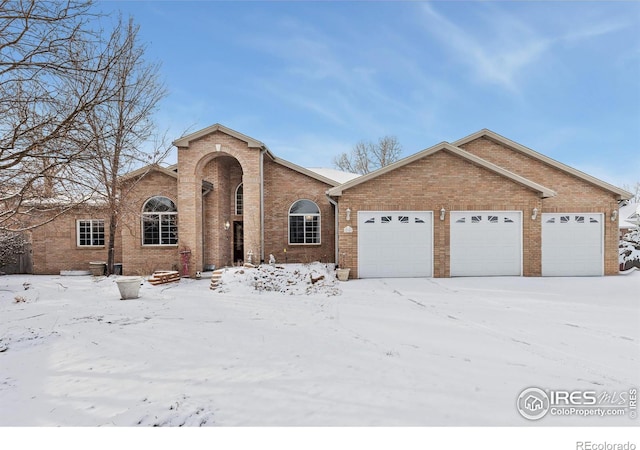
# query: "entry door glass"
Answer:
x=238 y=242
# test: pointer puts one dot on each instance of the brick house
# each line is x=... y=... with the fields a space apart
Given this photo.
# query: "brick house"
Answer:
x=483 y=205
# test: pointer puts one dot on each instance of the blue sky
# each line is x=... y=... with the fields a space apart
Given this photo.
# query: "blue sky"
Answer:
x=310 y=79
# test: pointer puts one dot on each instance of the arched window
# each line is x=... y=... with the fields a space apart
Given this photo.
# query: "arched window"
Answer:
x=304 y=223
x=159 y=222
x=239 y=200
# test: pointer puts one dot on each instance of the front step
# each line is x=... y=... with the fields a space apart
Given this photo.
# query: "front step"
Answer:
x=215 y=279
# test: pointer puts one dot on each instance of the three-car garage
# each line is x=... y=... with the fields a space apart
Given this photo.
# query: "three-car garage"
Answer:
x=482 y=243
x=481 y=206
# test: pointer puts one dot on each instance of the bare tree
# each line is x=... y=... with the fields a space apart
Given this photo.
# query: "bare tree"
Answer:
x=121 y=125
x=366 y=156
x=51 y=77
x=635 y=190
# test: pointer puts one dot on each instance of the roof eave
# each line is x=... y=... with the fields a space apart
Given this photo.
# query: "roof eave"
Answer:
x=542 y=190
x=186 y=140
x=146 y=169
x=337 y=191
x=621 y=194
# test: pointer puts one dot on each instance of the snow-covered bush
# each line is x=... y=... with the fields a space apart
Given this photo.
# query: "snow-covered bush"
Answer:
x=630 y=250
x=11 y=245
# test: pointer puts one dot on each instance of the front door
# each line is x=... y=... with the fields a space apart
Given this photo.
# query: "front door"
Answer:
x=238 y=242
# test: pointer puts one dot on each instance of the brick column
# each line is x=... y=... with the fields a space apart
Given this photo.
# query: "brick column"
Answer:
x=189 y=220
x=251 y=216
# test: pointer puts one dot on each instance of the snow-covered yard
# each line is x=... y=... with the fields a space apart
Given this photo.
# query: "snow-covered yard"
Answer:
x=365 y=352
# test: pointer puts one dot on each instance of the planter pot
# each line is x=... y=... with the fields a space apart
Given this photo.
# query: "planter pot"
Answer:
x=97 y=268
x=129 y=287
x=342 y=274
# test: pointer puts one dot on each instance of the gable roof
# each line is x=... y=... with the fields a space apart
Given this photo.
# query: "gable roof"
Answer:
x=620 y=193
x=445 y=146
x=186 y=140
x=170 y=171
x=251 y=143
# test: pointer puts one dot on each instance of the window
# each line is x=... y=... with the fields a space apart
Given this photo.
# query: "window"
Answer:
x=385 y=219
x=239 y=199
x=90 y=232
x=419 y=220
x=159 y=222
x=372 y=220
x=579 y=219
x=493 y=219
x=304 y=223
x=476 y=219
x=507 y=220
x=403 y=219
x=565 y=219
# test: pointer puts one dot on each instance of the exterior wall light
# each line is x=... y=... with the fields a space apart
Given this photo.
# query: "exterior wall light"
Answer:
x=614 y=215
x=535 y=214
x=442 y=213
x=227 y=225
x=348 y=211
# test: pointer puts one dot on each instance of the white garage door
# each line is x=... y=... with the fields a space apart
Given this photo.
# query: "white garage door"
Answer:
x=572 y=244
x=486 y=243
x=395 y=244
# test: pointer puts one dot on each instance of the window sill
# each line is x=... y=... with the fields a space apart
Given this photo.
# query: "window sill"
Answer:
x=159 y=245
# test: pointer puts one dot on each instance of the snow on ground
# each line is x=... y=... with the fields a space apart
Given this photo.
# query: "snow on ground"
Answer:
x=366 y=352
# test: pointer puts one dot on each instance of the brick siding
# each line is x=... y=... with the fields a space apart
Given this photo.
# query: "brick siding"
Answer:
x=136 y=258
x=55 y=245
x=283 y=187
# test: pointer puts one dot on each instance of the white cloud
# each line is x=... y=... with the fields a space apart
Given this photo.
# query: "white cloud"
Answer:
x=595 y=30
x=511 y=45
x=496 y=62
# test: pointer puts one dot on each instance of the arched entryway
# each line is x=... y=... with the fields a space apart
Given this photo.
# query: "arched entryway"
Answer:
x=211 y=164
x=222 y=215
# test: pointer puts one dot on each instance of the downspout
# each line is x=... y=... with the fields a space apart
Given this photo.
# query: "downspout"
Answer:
x=262 y=152
x=337 y=250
